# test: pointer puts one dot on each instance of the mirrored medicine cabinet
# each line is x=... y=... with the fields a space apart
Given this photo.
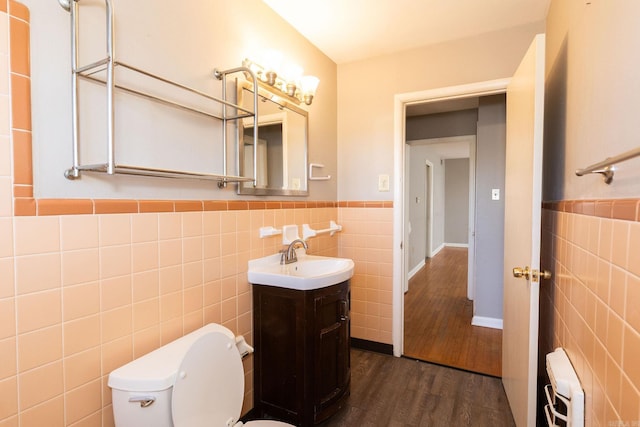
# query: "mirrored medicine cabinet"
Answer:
x=281 y=151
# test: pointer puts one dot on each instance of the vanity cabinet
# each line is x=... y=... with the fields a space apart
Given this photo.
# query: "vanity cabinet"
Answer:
x=301 y=361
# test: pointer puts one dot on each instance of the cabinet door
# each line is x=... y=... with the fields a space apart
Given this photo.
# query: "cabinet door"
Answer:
x=280 y=351
x=332 y=370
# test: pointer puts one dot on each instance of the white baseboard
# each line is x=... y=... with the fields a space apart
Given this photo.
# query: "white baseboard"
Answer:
x=436 y=250
x=456 y=245
x=416 y=269
x=487 y=322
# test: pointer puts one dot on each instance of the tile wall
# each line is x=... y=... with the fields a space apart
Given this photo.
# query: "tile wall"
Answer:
x=88 y=285
x=368 y=240
x=592 y=305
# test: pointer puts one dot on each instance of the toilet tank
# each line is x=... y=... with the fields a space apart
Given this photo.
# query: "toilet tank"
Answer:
x=141 y=389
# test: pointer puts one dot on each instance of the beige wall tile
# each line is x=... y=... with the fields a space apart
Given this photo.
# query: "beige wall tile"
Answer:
x=39 y=347
x=80 y=300
x=49 y=413
x=211 y=223
x=192 y=249
x=192 y=274
x=144 y=227
x=115 y=261
x=8 y=396
x=146 y=314
x=81 y=334
x=115 y=292
x=7 y=318
x=145 y=285
x=36 y=235
x=7 y=279
x=37 y=273
x=82 y=368
x=171 y=306
x=6 y=242
x=620 y=238
x=117 y=353
x=634 y=248
x=79 y=232
x=83 y=401
x=80 y=266
x=146 y=341
x=40 y=384
x=144 y=256
x=169 y=226
x=38 y=310
x=192 y=224
x=115 y=229
x=170 y=252
x=170 y=279
x=8 y=366
x=116 y=323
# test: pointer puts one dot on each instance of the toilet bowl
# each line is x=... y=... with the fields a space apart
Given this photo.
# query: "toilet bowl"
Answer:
x=194 y=381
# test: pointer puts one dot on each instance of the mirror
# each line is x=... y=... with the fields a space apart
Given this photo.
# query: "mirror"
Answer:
x=281 y=149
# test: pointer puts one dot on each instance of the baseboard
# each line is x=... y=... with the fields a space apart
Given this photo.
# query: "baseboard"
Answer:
x=487 y=322
x=377 y=347
x=436 y=250
x=416 y=269
x=456 y=245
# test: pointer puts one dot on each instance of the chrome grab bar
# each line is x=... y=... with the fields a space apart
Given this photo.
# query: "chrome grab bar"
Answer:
x=606 y=167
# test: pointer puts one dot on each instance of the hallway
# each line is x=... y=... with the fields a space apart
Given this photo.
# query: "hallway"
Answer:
x=437 y=323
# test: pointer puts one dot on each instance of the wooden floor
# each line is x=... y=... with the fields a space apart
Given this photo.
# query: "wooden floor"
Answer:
x=437 y=318
x=392 y=391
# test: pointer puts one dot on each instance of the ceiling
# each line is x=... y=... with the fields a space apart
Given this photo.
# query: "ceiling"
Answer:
x=350 y=30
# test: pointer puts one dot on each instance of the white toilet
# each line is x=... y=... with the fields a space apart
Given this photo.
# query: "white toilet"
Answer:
x=194 y=381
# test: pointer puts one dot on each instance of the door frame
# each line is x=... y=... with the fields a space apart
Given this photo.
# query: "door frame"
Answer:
x=489 y=87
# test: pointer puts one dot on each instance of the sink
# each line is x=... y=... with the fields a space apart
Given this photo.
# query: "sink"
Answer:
x=309 y=272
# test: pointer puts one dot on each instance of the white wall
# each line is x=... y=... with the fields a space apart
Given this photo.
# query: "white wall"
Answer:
x=182 y=42
x=366 y=91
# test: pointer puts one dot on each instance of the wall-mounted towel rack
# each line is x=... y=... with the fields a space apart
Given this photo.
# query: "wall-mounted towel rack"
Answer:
x=107 y=65
x=606 y=167
x=309 y=232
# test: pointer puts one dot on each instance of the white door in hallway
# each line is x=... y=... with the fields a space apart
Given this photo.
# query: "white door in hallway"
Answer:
x=525 y=107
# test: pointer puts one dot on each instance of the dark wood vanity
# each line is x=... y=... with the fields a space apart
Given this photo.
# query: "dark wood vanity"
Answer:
x=301 y=362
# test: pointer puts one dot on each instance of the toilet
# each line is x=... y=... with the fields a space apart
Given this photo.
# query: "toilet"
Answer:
x=194 y=381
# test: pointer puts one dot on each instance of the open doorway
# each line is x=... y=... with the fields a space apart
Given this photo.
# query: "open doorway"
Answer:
x=442 y=322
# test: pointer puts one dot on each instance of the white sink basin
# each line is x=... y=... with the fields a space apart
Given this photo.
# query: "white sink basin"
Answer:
x=309 y=272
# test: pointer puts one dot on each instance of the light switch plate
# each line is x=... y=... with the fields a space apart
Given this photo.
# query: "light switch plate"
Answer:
x=383 y=182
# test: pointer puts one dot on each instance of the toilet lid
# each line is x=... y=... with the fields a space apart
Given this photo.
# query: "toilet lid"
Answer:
x=209 y=385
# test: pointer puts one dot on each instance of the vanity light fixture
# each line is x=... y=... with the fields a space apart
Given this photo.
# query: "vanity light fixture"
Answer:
x=285 y=78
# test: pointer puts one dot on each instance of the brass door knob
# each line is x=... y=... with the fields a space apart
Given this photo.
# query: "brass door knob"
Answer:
x=528 y=273
x=519 y=272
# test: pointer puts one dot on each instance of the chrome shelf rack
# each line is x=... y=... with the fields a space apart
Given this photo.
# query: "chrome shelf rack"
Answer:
x=107 y=66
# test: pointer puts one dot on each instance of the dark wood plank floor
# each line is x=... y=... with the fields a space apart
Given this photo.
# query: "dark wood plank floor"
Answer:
x=391 y=391
x=437 y=318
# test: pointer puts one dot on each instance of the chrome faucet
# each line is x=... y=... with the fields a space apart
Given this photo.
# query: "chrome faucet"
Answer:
x=289 y=255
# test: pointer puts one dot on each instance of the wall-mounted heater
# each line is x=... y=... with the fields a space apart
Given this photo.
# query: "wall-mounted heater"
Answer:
x=565 y=397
